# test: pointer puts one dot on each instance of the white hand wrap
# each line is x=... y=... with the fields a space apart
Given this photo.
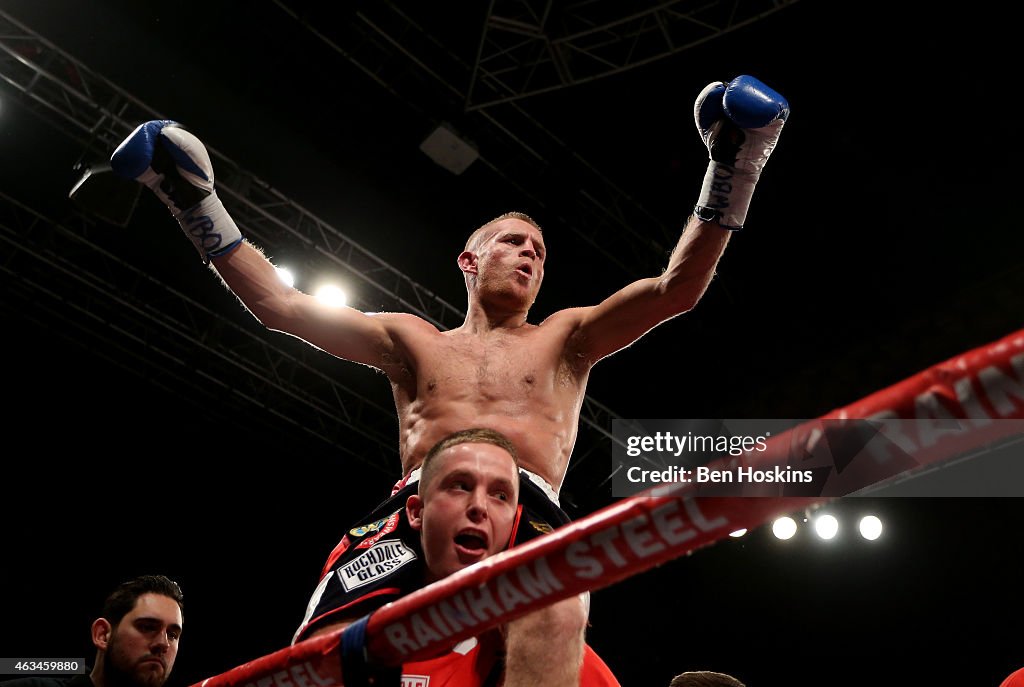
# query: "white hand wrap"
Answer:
x=176 y=166
x=740 y=123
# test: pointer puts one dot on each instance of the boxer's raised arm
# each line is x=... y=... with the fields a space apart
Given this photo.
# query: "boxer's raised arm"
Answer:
x=740 y=123
x=175 y=165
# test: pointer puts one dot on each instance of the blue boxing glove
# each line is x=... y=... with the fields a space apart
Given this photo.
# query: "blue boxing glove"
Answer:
x=740 y=124
x=176 y=166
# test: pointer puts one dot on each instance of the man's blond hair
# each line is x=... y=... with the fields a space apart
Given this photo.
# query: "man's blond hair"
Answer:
x=477 y=237
x=475 y=435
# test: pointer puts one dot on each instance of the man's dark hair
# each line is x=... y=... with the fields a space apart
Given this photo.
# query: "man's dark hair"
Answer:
x=122 y=600
x=704 y=678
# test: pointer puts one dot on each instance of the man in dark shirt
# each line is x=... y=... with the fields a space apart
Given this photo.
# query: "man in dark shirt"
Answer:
x=136 y=638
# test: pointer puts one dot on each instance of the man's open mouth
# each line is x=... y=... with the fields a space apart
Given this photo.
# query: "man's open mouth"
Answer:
x=471 y=542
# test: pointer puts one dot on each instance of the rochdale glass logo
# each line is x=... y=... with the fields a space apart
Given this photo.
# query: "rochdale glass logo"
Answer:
x=385 y=557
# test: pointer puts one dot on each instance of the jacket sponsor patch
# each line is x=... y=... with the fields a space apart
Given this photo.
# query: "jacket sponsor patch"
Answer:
x=541 y=527
x=383 y=558
x=388 y=527
x=366 y=529
x=415 y=680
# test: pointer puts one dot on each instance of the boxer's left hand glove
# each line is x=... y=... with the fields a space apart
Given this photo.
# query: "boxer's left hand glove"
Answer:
x=740 y=123
x=176 y=166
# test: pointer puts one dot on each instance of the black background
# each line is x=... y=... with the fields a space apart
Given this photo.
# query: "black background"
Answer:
x=883 y=238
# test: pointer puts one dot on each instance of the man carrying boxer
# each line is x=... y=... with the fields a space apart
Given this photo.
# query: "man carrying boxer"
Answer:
x=465 y=508
x=496 y=370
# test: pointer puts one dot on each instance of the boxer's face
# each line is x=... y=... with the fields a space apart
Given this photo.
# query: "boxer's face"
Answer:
x=507 y=263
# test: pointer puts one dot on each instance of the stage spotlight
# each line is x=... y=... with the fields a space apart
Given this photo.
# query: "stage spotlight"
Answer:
x=332 y=295
x=826 y=526
x=870 y=527
x=784 y=527
x=738 y=533
x=285 y=275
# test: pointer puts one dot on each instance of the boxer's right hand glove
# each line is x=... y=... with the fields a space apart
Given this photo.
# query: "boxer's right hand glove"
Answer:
x=740 y=123
x=176 y=166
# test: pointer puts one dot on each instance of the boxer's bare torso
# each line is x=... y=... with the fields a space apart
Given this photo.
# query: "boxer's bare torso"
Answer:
x=526 y=382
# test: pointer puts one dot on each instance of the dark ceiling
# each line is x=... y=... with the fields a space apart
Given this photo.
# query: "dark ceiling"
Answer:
x=153 y=425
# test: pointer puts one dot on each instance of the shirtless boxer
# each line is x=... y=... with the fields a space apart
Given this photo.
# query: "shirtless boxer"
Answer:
x=496 y=370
